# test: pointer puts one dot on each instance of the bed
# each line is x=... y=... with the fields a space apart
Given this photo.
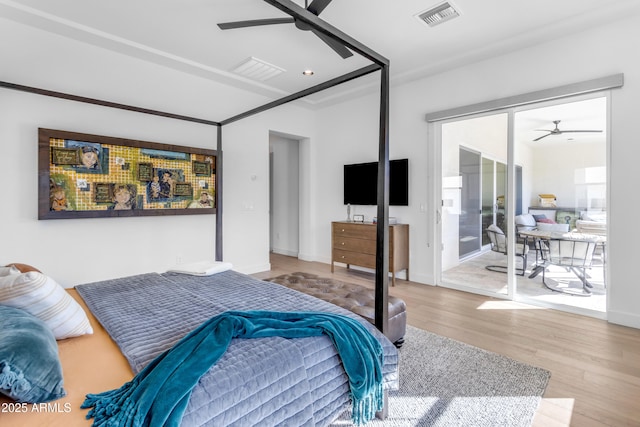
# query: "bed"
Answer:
x=264 y=381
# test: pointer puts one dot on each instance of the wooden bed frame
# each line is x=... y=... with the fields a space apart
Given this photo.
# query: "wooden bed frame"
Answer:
x=83 y=359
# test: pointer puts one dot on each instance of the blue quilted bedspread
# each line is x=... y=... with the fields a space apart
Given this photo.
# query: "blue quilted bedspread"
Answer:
x=262 y=381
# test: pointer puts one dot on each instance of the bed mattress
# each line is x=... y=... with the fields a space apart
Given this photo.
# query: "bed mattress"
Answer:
x=266 y=381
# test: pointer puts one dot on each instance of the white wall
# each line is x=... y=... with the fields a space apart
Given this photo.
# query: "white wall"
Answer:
x=555 y=170
x=349 y=134
x=246 y=155
x=600 y=52
x=84 y=250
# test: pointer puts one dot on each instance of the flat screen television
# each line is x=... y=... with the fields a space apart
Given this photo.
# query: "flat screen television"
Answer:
x=361 y=183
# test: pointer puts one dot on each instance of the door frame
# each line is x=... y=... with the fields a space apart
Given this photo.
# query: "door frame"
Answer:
x=527 y=101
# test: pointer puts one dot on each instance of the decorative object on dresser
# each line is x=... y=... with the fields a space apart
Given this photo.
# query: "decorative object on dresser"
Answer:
x=355 y=244
x=358 y=218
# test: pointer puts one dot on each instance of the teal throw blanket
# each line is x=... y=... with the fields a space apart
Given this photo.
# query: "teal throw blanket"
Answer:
x=159 y=394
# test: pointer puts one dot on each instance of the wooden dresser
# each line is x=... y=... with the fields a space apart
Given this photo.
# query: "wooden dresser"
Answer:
x=354 y=243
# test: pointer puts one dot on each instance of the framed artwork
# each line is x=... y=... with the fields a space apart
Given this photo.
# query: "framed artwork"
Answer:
x=91 y=176
x=145 y=172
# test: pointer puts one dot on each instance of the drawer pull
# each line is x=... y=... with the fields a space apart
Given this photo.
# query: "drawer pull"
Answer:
x=342 y=243
x=342 y=256
x=342 y=230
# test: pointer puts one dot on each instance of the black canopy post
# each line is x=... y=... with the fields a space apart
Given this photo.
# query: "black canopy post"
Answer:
x=218 y=190
x=103 y=103
x=382 y=230
x=382 y=236
x=305 y=92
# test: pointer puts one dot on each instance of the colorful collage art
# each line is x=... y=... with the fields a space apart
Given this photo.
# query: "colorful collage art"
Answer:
x=93 y=176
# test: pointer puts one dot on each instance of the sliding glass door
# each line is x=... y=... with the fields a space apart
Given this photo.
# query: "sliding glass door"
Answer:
x=494 y=195
x=469 y=224
x=495 y=167
x=563 y=147
x=474 y=199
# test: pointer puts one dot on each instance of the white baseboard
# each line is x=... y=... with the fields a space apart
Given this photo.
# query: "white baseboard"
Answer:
x=323 y=259
x=624 y=319
x=305 y=257
x=423 y=279
x=401 y=275
x=285 y=252
x=252 y=269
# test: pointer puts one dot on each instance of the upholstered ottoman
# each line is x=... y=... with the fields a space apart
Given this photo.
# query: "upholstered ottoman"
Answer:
x=355 y=298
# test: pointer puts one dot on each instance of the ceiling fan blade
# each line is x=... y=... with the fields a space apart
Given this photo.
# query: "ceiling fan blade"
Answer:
x=577 y=130
x=317 y=6
x=254 y=23
x=336 y=46
x=543 y=136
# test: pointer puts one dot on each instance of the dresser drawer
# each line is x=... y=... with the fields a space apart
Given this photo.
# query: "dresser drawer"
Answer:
x=355 y=245
x=361 y=231
x=355 y=258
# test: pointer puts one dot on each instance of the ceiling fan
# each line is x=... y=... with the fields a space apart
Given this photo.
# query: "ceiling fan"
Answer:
x=557 y=131
x=316 y=7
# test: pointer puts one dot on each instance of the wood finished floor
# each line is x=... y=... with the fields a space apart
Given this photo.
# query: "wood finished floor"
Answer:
x=595 y=365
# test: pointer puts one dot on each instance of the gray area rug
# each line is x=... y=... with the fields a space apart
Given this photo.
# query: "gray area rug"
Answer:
x=444 y=382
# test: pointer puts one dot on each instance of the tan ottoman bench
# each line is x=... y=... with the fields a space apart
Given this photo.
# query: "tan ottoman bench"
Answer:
x=355 y=298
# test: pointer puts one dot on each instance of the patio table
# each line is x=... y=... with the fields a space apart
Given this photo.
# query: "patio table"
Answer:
x=541 y=235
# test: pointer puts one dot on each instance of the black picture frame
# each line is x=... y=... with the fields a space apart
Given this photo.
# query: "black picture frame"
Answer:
x=145 y=172
x=201 y=168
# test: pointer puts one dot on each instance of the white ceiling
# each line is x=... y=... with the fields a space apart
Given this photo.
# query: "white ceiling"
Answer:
x=183 y=34
x=588 y=114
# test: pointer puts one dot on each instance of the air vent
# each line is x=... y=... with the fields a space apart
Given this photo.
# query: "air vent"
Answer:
x=438 y=14
x=257 y=69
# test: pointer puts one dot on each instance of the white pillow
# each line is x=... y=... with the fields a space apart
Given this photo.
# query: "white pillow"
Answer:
x=597 y=216
x=8 y=271
x=41 y=296
x=202 y=268
x=561 y=228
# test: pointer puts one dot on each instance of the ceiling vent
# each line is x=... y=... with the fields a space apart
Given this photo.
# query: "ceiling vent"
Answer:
x=257 y=69
x=438 y=14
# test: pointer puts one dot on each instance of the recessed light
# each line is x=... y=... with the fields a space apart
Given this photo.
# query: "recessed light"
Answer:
x=307 y=73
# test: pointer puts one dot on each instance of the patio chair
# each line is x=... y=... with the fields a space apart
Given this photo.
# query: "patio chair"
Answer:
x=574 y=255
x=498 y=242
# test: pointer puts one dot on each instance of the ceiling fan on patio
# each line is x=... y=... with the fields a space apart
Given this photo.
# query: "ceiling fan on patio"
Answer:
x=316 y=7
x=557 y=131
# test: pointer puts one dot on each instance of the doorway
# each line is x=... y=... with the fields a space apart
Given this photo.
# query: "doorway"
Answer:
x=482 y=200
x=284 y=195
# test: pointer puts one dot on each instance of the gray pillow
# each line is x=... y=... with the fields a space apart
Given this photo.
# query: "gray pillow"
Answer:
x=30 y=369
